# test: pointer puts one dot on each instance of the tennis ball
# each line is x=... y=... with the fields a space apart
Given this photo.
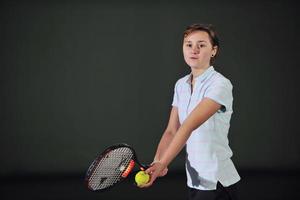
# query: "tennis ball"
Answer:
x=142 y=178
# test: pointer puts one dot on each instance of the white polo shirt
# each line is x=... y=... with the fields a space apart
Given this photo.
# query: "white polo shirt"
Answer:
x=208 y=152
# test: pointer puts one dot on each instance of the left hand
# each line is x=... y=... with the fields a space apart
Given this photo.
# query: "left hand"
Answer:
x=155 y=171
x=164 y=172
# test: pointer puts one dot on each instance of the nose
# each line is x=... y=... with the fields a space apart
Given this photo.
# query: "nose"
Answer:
x=195 y=50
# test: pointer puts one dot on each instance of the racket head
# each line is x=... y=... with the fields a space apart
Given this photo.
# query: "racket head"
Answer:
x=111 y=167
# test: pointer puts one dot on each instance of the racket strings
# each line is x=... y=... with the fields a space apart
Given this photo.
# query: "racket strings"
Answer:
x=110 y=168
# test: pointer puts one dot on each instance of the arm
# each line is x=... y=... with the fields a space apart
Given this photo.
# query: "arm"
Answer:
x=203 y=111
x=168 y=135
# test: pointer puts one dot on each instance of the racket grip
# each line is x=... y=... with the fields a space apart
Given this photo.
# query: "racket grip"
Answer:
x=144 y=167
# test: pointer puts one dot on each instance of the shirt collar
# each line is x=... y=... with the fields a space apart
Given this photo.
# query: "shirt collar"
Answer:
x=201 y=77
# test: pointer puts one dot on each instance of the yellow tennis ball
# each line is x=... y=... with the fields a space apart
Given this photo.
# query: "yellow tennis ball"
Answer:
x=142 y=178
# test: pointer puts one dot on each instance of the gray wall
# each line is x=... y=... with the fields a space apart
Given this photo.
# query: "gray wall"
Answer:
x=78 y=77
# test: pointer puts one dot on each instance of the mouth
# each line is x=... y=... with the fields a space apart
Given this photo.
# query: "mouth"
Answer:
x=193 y=58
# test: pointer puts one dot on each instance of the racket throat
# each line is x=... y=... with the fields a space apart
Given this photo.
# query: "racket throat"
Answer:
x=128 y=169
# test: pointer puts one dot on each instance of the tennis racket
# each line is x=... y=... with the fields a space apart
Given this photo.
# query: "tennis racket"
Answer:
x=112 y=166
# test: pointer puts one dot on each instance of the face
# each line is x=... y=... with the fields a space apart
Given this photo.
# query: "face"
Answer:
x=198 y=50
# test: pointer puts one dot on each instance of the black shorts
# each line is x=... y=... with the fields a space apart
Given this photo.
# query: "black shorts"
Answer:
x=221 y=193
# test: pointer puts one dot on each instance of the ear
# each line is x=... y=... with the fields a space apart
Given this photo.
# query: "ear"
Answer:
x=214 y=51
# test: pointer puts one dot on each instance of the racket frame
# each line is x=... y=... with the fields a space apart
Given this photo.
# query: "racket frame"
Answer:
x=95 y=162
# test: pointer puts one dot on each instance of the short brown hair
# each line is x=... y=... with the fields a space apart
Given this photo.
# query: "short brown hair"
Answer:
x=209 y=29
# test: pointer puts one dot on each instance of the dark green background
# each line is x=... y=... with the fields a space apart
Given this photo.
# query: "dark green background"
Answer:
x=79 y=76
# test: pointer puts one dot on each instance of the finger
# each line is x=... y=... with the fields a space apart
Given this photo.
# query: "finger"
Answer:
x=163 y=173
x=153 y=177
x=149 y=170
x=151 y=181
x=145 y=185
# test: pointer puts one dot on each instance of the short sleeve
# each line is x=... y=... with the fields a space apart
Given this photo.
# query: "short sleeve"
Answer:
x=221 y=92
x=175 y=96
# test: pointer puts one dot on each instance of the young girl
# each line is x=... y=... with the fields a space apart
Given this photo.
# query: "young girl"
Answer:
x=200 y=120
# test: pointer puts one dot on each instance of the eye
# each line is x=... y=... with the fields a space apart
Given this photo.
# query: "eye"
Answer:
x=189 y=45
x=202 y=45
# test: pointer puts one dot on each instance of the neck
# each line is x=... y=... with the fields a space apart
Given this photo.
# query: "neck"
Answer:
x=198 y=71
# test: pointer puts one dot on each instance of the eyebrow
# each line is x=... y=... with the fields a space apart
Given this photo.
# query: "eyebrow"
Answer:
x=197 y=41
